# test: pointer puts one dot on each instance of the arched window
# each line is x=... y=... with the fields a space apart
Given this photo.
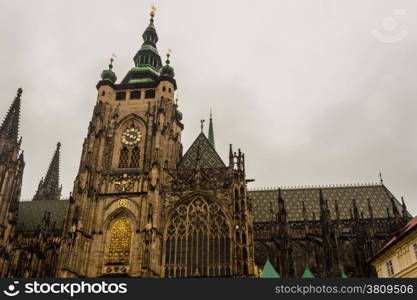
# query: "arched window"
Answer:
x=124 y=158
x=134 y=158
x=198 y=241
x=120 y=239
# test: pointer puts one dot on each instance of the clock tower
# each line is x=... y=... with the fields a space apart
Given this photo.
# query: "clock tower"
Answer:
x=134 y=133
x=140 y=208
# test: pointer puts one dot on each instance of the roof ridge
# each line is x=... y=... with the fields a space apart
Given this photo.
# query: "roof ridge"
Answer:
x=316 y=186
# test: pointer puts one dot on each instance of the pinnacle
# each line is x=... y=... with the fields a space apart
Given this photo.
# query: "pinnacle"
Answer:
x=10 y=126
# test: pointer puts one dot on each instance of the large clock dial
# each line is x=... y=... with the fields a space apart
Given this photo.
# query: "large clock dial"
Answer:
x=131 y=136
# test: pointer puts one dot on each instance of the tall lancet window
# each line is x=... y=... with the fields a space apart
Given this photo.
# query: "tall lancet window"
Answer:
x=124 y=158
x=198 y=241
x=129 y=156
x=120 y=241
x=134 y=160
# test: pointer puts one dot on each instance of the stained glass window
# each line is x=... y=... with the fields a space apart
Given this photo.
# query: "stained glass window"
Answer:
x=120 y=239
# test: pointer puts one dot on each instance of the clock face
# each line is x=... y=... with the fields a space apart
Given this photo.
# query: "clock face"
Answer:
x=131 y=136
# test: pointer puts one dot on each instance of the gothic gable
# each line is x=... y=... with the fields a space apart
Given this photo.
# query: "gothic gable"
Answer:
x=201 y=148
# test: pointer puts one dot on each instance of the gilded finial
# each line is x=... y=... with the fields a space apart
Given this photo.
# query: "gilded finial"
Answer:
x=112 y=58
x=153 y=10
x=169 y=51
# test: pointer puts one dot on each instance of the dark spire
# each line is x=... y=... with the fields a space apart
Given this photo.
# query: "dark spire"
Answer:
x=10 y=126
x=211 y=131
x=404 y=208
x=49 y=188
x=231 y=163
x=394 y=207
x=148 y=54
x=148 y=63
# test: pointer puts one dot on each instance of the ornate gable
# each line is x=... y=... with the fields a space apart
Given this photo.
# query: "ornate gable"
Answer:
x=201 y=148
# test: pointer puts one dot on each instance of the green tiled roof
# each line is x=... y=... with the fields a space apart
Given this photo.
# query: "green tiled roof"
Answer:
x=269 y=271
x=149 y=47
x=140 y=80
x=307 y=274
x=31 y=214
x=379 y=196
x=144 y=68
x=208 y=155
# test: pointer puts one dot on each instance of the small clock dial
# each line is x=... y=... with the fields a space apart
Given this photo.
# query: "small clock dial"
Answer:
x=131 y=136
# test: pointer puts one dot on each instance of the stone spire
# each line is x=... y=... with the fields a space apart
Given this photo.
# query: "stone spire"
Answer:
x=49 y=188
x=10 y=126
x=211 y=130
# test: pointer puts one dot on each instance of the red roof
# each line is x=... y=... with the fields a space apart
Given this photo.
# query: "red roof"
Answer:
x=412 y=224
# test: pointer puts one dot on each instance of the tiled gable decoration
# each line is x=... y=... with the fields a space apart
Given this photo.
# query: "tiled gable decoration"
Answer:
x=201 y=148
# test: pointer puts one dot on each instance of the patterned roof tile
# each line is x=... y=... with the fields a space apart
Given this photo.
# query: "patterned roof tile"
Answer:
x=208 y=156
x=265 y=200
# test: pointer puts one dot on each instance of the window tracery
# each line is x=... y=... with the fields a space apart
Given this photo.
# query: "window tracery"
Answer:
x=134 y=160
x=124 y=158
x=198 y=241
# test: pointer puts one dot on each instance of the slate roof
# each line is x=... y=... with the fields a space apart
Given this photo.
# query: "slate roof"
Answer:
x=31 y=214
x=379 y=196
x=208 y=155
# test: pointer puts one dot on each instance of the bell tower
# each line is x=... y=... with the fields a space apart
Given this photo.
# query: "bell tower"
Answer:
x=113 y=226
x=11 y=173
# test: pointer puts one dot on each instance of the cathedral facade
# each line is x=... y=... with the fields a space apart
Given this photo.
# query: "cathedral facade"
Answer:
x=140 y=207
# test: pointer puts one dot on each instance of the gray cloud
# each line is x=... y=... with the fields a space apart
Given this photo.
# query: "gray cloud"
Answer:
x=303 y=87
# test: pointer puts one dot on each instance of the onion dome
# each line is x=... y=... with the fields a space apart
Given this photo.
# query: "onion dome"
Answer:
x=109 y=75
x=167 y=70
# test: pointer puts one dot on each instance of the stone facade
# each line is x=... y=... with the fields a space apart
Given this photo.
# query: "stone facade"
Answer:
x=141 y=208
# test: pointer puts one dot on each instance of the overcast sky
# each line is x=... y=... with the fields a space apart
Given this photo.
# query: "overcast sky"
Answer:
x=314 y=92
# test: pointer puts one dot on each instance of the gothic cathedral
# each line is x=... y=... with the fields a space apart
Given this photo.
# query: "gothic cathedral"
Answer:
x=139 y=207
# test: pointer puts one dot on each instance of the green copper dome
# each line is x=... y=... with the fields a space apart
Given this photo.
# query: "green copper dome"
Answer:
x=167 y=70
x=109 y=74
